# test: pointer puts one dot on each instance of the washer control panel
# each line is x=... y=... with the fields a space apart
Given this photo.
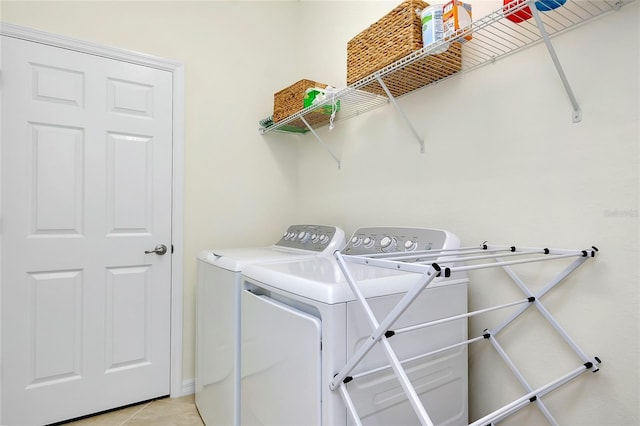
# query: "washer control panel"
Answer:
x=317 y=238
x=396 y=240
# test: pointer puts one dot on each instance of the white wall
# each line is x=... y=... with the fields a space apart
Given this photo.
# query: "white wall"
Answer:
x=503 y=163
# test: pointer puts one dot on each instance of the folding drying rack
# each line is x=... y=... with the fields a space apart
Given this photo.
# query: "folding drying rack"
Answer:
x=431 y=264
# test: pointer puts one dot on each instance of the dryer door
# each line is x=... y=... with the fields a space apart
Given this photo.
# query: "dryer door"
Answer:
x=281 y=364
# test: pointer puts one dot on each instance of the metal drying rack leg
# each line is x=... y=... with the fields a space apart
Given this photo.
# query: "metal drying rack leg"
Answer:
x=521 y=378
x=544 y=312
x=379 y=335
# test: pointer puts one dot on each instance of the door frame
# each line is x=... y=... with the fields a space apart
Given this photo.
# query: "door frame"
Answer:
x=177 y=388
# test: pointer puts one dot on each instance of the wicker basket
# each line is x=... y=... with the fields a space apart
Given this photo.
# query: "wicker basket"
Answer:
x=391 y=38
x=290 y=100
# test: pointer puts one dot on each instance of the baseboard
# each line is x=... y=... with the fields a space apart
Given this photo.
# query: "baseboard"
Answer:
x=188 y=387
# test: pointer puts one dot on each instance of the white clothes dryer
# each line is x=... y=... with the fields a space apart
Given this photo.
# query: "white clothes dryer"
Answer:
x=218 y=313
x=301 y=323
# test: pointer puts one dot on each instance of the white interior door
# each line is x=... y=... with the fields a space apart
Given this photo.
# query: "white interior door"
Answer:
x=86 y=189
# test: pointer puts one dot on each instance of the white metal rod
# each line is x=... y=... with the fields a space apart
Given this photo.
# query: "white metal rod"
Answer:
x=397 y=107
x=554 y=384
x=321 y=141
x=551 y=250
x=457 y=317
x=346 y=398
x=521 y=379
x=509 y=412
x=490 y=256
x=407 y=300
x=509 y=363
x=408 y=388
x=389 y=264
x=463 y=257
x=577 y=113
x=365 y=348
x=511 y=262
x=355 y=289
x=355 y=359
x=550 y=285
x=539 y=395
x=417 y=357
x=435 y=253
x=577 y=349
x=464 y=251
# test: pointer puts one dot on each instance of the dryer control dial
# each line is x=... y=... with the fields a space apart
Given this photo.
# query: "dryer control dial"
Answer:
x=410 y=245
x=388 y=244
x=356 y=241
x=303 y=236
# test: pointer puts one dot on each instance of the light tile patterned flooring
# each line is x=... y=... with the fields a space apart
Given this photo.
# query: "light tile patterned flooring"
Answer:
x=160 y=412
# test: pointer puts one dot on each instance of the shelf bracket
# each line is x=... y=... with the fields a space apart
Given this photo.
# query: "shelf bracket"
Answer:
x=402 y=114
x=321 y=142
x=577 y=112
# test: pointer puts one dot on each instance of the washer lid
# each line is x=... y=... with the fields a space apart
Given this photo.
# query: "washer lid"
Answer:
x=236 y=259
x=298 y=242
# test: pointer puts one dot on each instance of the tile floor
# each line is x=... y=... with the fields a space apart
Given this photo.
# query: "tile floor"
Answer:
x=160 y=412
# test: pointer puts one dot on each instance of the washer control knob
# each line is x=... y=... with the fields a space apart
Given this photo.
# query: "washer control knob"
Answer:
x=369 y=242
x=315 y=238
x=356 y=241
x=303 y=236
x=324 y=239
x=388 y=244
x=410 y=245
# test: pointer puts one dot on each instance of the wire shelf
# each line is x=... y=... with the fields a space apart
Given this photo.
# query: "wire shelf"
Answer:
x=493 y=37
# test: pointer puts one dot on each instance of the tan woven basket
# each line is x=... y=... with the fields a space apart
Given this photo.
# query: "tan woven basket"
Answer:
x=290 y=100
x=420 y=73
x=391 y=38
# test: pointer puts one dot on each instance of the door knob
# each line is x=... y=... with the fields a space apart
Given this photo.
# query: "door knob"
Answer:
x=159 y=250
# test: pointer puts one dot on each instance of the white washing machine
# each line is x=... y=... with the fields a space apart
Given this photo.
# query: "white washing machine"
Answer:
x=218 y=313
x=301 y=323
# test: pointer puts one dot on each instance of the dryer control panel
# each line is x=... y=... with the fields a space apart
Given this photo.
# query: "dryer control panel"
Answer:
x=399 y=239
x=316 y=238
